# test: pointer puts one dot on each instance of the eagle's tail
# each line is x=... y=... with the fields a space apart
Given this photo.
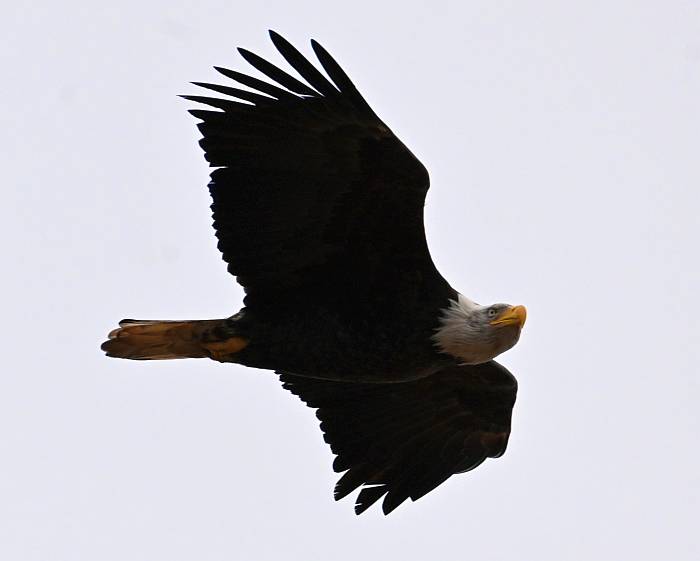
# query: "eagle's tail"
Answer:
x=159 y=340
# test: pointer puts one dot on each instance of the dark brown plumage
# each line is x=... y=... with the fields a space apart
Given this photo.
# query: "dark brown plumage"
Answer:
x=314 y=197
x=318 y=209
x=400 y=441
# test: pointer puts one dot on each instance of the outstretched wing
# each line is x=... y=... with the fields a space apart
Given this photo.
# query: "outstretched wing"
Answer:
x=313 y=195
x=402 y=440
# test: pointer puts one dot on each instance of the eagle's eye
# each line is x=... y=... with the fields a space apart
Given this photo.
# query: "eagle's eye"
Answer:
x=492 y=312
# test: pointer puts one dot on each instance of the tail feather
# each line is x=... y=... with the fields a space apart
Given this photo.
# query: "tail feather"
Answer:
x=161 y=340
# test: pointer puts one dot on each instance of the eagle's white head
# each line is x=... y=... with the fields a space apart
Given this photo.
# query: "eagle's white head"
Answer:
x=474 y=333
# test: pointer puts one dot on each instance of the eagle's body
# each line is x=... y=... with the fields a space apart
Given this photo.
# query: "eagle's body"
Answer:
x=361 y=347
x=318 y=209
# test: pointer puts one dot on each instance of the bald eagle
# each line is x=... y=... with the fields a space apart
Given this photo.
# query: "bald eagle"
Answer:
x=318 y=209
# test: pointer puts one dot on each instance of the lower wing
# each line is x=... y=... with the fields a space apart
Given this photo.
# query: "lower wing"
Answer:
x=402 y=440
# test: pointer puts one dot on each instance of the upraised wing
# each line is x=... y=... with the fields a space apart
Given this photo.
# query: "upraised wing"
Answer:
x=314 y=197
x=402 y=440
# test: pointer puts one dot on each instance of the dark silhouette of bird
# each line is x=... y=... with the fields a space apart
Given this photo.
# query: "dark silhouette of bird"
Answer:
x=318 y=211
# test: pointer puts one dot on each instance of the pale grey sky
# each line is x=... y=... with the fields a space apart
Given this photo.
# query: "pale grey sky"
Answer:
x=562 y=142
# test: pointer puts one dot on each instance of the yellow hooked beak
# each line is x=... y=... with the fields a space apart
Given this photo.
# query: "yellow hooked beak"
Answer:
x=515 y=315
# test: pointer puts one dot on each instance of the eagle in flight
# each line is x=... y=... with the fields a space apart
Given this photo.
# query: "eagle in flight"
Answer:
x=318 y=209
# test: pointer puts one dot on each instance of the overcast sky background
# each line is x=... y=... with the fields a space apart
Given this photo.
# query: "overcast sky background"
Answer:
x=563 y=146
